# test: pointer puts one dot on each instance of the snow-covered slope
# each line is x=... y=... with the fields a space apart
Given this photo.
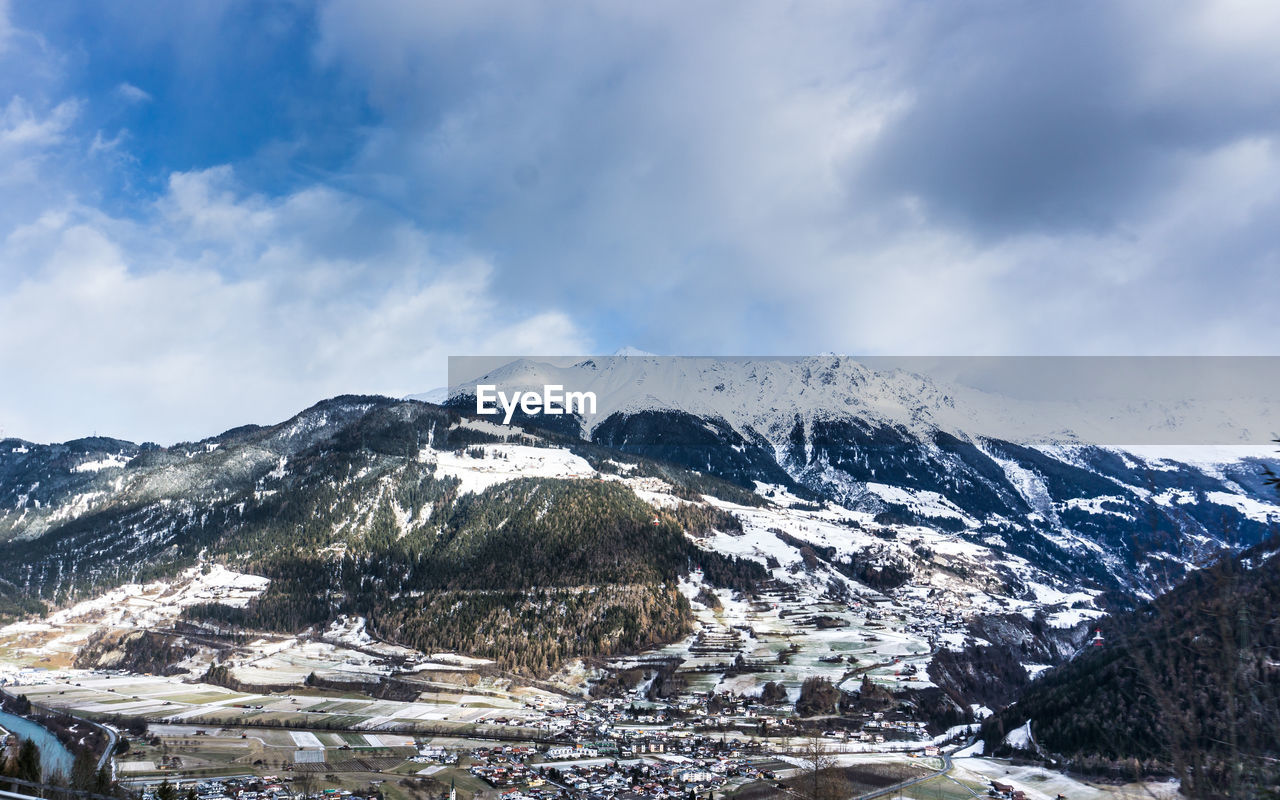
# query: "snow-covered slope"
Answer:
x=856 y=489
x=898 y=591
x=1040 y=477
x=756 y=392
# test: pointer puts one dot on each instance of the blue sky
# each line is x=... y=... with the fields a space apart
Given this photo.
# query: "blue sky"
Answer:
x=215 y=213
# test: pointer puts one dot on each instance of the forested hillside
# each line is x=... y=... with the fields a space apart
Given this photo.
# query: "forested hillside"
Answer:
x=528 y=573
x=1132 y=521
x=1187 y=685
x=344 y=509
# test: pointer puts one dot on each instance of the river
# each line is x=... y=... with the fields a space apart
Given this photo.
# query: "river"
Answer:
x=54 y=757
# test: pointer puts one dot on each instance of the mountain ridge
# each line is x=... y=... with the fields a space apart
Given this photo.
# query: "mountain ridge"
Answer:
x=1187 y=685
x=878 y=440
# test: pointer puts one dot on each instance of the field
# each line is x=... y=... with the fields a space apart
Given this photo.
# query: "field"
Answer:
x=801 y=624
x=1042 y=784
x=776 y=638
x=170 y=700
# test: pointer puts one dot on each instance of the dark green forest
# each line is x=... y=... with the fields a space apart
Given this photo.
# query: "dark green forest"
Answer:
x=529 y=573
x=341 y=507
x=1186 y=685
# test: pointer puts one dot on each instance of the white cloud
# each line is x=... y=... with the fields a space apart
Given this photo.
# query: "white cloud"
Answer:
x=22 y=127
x=143 y=330
x=869 y=177
x=132 y=94
x=101 y=146
x=213 y=305
x=745 y=177
x=33 y=143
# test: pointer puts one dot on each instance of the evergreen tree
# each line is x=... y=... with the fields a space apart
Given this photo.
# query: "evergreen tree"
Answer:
x=28 y=762
x=102 y=781
x=84 y=772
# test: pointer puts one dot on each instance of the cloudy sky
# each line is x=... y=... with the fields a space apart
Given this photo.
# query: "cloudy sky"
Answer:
x=214 y=213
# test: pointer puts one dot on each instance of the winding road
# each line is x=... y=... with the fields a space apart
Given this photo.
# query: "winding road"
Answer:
x=897 y=787
x=112 y=739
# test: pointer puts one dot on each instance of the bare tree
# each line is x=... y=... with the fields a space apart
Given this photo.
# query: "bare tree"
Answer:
x=304 y=785
x=824 y=778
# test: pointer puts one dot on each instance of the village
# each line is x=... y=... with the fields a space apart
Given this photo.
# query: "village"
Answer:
x=721 y=710
x=618 y=766
x=697 y=719
x=686 y=719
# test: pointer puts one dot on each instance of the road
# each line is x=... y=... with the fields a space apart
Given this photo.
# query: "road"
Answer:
x=897 y=787
x=112 y=739
x=962 y=786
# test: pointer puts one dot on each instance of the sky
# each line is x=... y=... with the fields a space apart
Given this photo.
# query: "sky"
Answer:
x=216 y=213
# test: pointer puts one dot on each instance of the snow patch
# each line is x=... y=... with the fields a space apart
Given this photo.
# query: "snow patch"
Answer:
x=501 y=463
x=1020 y=737
x=114 y=461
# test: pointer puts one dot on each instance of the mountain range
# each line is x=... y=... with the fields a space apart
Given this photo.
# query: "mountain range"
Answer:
x=1032 y=478
x=1001 y=541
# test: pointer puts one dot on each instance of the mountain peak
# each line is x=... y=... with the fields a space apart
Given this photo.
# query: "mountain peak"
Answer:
x=628 y=352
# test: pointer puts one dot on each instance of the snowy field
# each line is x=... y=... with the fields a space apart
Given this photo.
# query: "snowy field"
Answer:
x=177 y=702
x=506 y=462
x=1043 y=784
x=810 y=620
x=54 y=640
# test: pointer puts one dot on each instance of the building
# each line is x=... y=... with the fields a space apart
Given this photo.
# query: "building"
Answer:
x=572 y=751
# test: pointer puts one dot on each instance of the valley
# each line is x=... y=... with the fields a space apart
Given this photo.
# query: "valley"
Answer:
x=312 y=710
x=702 y=731
x=390 y=598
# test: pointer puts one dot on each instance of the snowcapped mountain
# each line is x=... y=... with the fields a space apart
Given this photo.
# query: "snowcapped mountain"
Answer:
x=1158 y=404
x=1039 y=478
x=823 y=475
x=450 y=533
x=437 y=395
